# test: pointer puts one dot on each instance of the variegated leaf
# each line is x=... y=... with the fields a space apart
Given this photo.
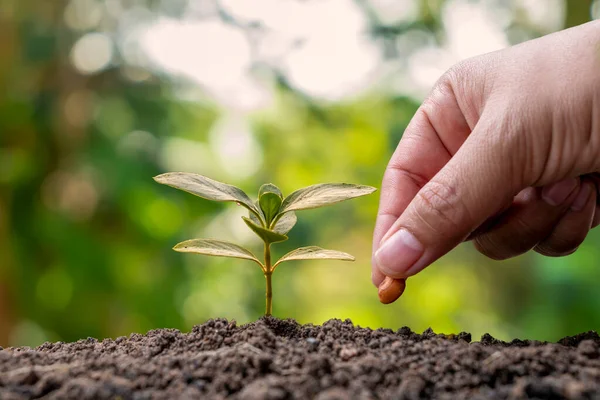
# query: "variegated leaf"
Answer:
x=218 y=248
x=206 y=188
x=285 y=223
x=314 y=253
x=323 y=194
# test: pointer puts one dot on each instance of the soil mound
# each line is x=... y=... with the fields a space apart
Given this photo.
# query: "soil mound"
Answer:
x=281 y=359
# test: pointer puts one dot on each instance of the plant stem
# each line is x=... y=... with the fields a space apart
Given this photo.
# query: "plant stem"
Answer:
x=268 y=273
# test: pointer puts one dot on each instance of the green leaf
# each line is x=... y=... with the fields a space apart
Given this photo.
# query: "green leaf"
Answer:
x=285 y=223
x=270 y=188
x=269 y=204
x=269 y=198
x=314 y=253
x=218 y=248
x=206 y=188
x=323 y=194
x=266 y=235
x=255 y=218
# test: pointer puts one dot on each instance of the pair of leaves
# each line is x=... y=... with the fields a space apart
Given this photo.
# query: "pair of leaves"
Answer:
x=220 y=248
x=269 y=202
x=314 y=196
x=283 y=224
x=271 y=212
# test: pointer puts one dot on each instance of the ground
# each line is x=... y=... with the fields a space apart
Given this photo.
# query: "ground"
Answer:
x=281 y=359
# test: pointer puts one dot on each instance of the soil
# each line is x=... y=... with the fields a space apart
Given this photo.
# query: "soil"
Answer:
x=281 y=359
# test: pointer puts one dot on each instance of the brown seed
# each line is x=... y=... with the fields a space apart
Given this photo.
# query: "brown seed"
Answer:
x=390 y=289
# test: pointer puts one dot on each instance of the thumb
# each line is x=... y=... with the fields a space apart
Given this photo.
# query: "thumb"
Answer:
x=477 y=182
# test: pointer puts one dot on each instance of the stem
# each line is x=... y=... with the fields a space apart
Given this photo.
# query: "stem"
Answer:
x=268 y=273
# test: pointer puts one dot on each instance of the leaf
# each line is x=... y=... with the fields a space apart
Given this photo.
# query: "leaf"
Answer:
x=206 y=188
x=315 y=253
x=269 y=204
x=218 y=248
x=254 y=217
x=285 y=223
x=269 y=198
x=269 y=188
x=323 y=194
x=266 y=235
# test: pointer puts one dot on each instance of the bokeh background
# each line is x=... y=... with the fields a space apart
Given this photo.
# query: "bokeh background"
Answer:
x=96 y=97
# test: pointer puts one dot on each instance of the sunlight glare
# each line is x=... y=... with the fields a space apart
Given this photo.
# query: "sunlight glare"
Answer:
x=472 y=30
x=92 y=53
x=547 y=15
x=211 y=53
x=236 y=148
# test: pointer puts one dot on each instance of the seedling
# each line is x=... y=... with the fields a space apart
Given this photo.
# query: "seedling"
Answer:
x=271 y=217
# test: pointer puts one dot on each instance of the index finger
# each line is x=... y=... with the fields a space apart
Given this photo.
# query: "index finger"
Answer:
x=433 y=136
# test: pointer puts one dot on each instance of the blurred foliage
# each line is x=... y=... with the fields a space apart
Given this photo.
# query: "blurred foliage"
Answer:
x=86 y=235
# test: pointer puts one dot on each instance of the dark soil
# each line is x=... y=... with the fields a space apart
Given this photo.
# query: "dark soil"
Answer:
x=275 y=359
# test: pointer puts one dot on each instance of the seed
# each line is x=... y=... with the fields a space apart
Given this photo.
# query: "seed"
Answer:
x=390 y=289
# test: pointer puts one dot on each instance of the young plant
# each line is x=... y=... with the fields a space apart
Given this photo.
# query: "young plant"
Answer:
x=271 y=217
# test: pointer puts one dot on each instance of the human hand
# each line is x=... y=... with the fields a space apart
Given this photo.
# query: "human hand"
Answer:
x=504 y=151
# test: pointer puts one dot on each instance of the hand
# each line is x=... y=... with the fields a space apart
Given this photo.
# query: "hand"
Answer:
x=504 y=151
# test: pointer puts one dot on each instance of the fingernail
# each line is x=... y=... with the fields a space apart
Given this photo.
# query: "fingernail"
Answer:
x=558 y=192
x=582 y=197
x=398 y=253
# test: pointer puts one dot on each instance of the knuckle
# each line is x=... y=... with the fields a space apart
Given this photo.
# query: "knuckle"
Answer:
x=510 y=240
x=558 y=246
x=565 y=238
x=456 y=72
x=445 y=87
x=529 y=231
x=489 y=248
x=442 y=208
x=551 y=251
x=596 y=218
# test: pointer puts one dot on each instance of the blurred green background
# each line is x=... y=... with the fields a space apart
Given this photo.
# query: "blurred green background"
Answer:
x=96 y=97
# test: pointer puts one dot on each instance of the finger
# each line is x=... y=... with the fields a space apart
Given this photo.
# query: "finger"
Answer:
x=533 y=214
x=434 y=134
x=377 y=276
x=596 y=220
x=574 y=226
x=417 y=158
x=476 y=183
x=490 y=222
